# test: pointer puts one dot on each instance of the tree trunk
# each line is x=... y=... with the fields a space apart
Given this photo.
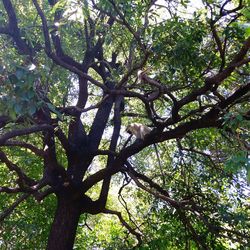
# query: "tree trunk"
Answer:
x=63 y=229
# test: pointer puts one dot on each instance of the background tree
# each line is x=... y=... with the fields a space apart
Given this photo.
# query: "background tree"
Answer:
x=74 y=74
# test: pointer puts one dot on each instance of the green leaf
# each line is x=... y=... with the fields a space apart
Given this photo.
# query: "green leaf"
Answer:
x=247 y=31
x=18 y=108
x=58 y=6
x=53 y=109
x=12 y=114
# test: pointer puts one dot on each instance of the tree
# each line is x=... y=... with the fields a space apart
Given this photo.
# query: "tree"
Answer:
x=76 y=73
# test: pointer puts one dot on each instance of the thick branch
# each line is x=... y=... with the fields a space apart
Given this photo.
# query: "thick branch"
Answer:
x=10 y=190
x=75 y=110
x=63 y=139
x=4 y=120
x=24 y=131
x=14 y=31
x=39 y=196
x=112 y=147
x=208 y=120
x=100 y=122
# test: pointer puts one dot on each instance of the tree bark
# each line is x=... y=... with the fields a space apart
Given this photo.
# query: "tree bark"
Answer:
x=63 y=229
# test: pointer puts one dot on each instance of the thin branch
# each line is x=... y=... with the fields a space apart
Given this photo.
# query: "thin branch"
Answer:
x=70 y=110
x=136 y=115
x=129 y=27
x=39 y=196
x=136 y=67
x=9 y=210
x=35 y=150
x=123 y=201
x=219 y=45
x=57 y=59
x=125 y=224
x=24 y=180
x=58 y=45
x=177 y=205
x=197 y=238
x=224 y=12
x=45 y=27
x=163 y=195
x=200 y=153
x=213 y=82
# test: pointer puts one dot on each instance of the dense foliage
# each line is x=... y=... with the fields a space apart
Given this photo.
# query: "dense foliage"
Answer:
x=75 y=74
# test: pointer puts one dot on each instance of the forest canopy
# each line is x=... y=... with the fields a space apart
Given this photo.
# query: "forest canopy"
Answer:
x=124 y=124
